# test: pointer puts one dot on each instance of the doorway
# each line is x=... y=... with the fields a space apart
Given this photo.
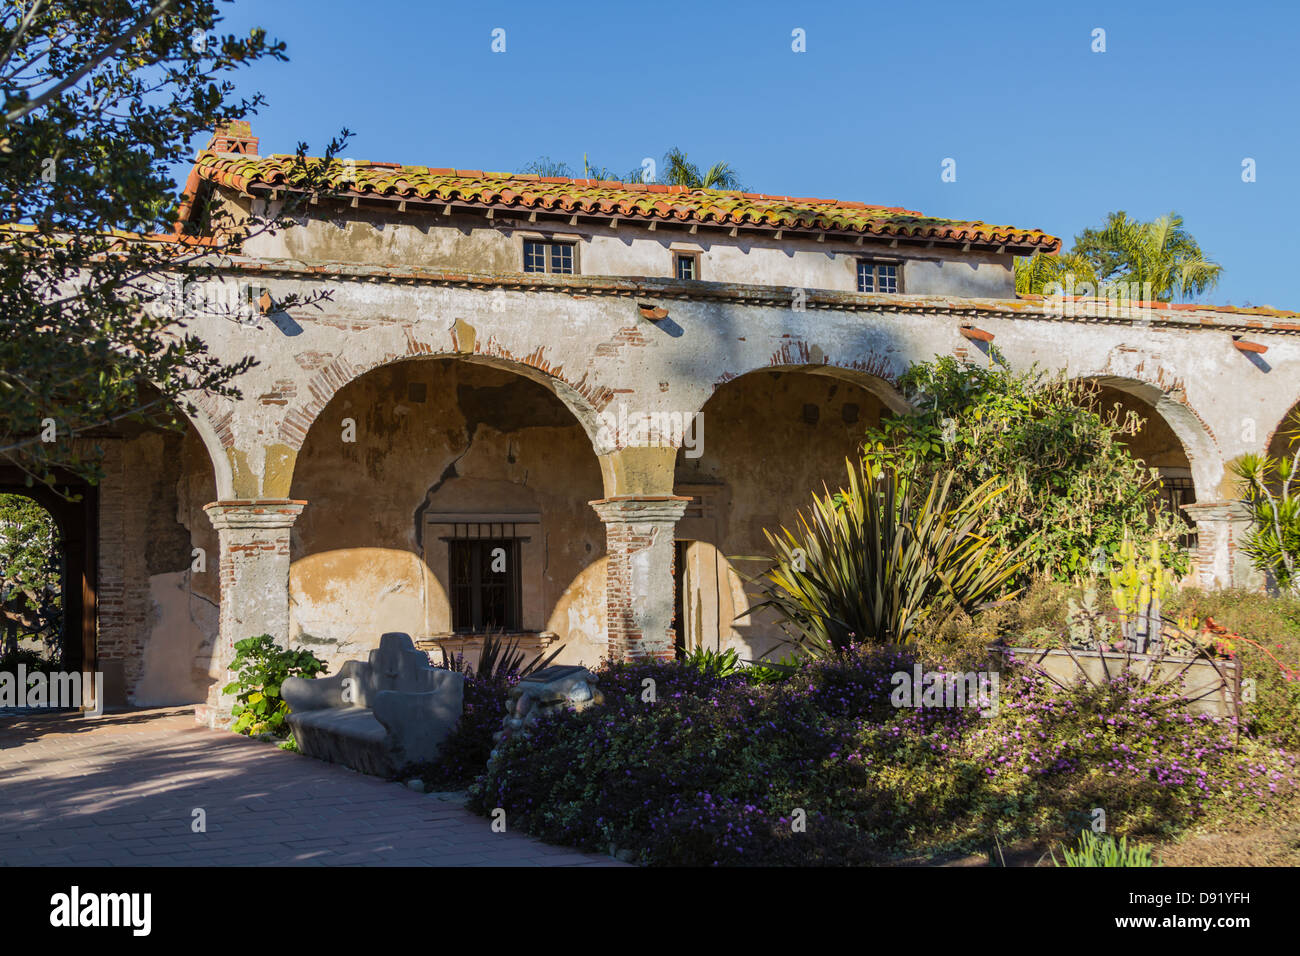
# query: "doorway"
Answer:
x=72 y=503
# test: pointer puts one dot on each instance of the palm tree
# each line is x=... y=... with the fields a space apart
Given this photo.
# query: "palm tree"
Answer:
x=1127 y=251
x=1160 y=252
x=1035 y=273
x=680 y=171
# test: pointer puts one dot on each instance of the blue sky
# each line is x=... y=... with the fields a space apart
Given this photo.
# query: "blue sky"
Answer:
x=1045 y=132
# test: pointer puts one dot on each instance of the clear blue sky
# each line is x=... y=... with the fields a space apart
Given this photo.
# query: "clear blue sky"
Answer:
x=1045 y=132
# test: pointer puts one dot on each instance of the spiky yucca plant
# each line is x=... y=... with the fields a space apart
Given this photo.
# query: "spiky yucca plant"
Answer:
x=1270 y=488
x=870 y=562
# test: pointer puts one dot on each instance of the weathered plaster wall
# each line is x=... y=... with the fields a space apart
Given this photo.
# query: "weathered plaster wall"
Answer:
x=772 y=438
x=477 y=245
x=437 y=437
x=156 y=616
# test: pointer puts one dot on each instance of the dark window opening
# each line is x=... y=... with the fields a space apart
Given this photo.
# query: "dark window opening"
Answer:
x=686 y=266
x=1174 y=493
x=679 y=598
x=485 y=579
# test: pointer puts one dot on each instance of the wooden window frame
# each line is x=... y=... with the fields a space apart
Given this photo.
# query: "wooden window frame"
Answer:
x=694 y=256
x=549 y=242
x=875 y=264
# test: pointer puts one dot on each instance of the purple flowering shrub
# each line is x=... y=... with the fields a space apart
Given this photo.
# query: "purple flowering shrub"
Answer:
x=822 y=769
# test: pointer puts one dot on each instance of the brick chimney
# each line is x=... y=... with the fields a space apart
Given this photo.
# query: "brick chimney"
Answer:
x=235 y=136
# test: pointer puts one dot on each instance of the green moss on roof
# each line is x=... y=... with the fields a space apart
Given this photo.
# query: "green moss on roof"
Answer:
x=597 y=197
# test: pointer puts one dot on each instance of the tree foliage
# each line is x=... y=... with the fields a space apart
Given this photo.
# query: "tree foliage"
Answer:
x=101 y=104
x=1074 y=493
x=676 y=170
x=31 y=575
x=1161 y=252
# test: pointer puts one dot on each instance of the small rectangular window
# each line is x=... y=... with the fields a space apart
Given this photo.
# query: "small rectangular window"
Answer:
x=877 y=276
x=485 y=584
x=686 y=266
x=544 y=255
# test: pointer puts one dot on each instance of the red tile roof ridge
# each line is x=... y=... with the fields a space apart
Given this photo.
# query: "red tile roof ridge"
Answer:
x=610 y=197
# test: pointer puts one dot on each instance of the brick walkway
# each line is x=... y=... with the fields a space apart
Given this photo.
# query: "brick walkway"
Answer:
x=121 y=790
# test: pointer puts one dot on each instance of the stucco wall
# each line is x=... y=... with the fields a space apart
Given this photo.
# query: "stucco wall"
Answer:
x=157 y=617
x=478 y=245
x=772 y=438
x=438 y=437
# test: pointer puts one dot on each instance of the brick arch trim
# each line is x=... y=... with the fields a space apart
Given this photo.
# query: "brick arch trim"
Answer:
x=331 y=378
x=1198 y=441
x=874 y=373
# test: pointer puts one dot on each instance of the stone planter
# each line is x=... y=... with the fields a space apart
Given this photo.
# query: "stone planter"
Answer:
x=1210 y=685
x=551 y=688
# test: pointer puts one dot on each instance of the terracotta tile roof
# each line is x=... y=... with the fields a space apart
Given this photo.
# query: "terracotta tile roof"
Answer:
x=633 y=200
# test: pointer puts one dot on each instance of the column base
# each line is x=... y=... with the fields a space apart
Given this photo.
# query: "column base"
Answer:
x=213 y=716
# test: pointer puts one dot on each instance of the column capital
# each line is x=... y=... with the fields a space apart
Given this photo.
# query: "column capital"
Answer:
x=254 y=514
x=641 y=508
x=1229 y=510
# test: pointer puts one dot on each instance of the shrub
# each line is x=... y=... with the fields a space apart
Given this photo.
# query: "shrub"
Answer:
x=263 y=666
x=1073 y=489
x=464 y=754
x=1271 y=656
x=715 y=663
x=875 y=560
x=1271 y=489
x=699 y=769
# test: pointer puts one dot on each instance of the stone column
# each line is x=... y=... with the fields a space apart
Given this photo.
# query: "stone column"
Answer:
x=254 y=562
x=639 y=596
x=1220 y=528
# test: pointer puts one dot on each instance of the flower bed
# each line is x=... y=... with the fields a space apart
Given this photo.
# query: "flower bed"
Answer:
x=718 y=770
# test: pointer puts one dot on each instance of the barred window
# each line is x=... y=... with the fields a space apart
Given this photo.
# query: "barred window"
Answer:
x=877 y=276
x=485 y=584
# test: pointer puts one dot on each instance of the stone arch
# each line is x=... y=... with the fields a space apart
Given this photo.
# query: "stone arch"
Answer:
x=870 y=375
x=1199 y=443
x=1278 y=442
x=584 y=402
x=212 y=426
x=771 y=438
x=449 y=453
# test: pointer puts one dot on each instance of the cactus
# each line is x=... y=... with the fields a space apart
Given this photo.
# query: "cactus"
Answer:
x=1138 y=586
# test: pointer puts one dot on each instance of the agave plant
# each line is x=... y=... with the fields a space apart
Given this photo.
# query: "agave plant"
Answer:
x=499 y=660
x=1270 y=488
x=870 y=562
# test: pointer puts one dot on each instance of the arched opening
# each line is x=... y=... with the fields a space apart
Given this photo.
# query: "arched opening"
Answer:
x=34 y=629
x=1284 y=441
x=447 y=499
x=771 y=438
x=1157 y=446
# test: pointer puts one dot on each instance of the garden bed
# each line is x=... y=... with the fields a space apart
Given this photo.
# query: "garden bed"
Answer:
x=822 y=768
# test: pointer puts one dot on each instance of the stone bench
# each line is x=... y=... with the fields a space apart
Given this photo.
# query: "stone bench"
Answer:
x=380 y=716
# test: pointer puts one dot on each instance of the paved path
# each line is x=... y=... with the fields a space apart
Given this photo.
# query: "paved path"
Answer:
x=122 y=789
